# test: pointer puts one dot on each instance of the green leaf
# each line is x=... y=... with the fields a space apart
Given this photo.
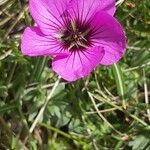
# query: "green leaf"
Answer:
x=119 y=82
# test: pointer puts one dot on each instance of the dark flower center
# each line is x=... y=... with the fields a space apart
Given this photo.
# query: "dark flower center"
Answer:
x=76 y=36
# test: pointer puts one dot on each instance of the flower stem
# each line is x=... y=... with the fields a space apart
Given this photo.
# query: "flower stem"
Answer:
x=121 y=109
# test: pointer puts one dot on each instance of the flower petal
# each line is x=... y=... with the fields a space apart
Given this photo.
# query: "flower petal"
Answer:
x=108 y=33
x=35 y=43
x=78 y=64
x=84 y=9
x=48 y=14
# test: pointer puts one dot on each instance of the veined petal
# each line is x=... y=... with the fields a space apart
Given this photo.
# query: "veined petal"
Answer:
x=35 y=43
x=108 y=33
x=49 y=14
x=84 y=9
x=78 y=64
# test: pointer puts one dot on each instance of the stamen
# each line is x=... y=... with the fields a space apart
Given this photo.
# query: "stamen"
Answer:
x=73 y=25
x=58 y=35
x=82 y=45
x=83 y=38
x=71 y=46
x=76 y=36
x=86 y=32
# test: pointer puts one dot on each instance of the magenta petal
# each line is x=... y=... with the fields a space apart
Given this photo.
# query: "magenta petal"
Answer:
x=108 y=33
x=84 y=9
x=78 y=64
x=48 y=14
x=34 y=43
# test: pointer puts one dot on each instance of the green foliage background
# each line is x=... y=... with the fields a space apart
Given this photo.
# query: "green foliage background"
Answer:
x=108 y=110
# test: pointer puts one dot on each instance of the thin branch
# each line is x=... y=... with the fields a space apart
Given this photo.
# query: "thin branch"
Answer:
x=137 y=67
x=146 y=95
x=101 y=111
x=44 y=106
x=17 y=20
x=119 y=2
x=101 y=116
x=108 y=101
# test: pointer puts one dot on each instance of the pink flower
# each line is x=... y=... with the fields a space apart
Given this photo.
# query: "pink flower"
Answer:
x=79 y=34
